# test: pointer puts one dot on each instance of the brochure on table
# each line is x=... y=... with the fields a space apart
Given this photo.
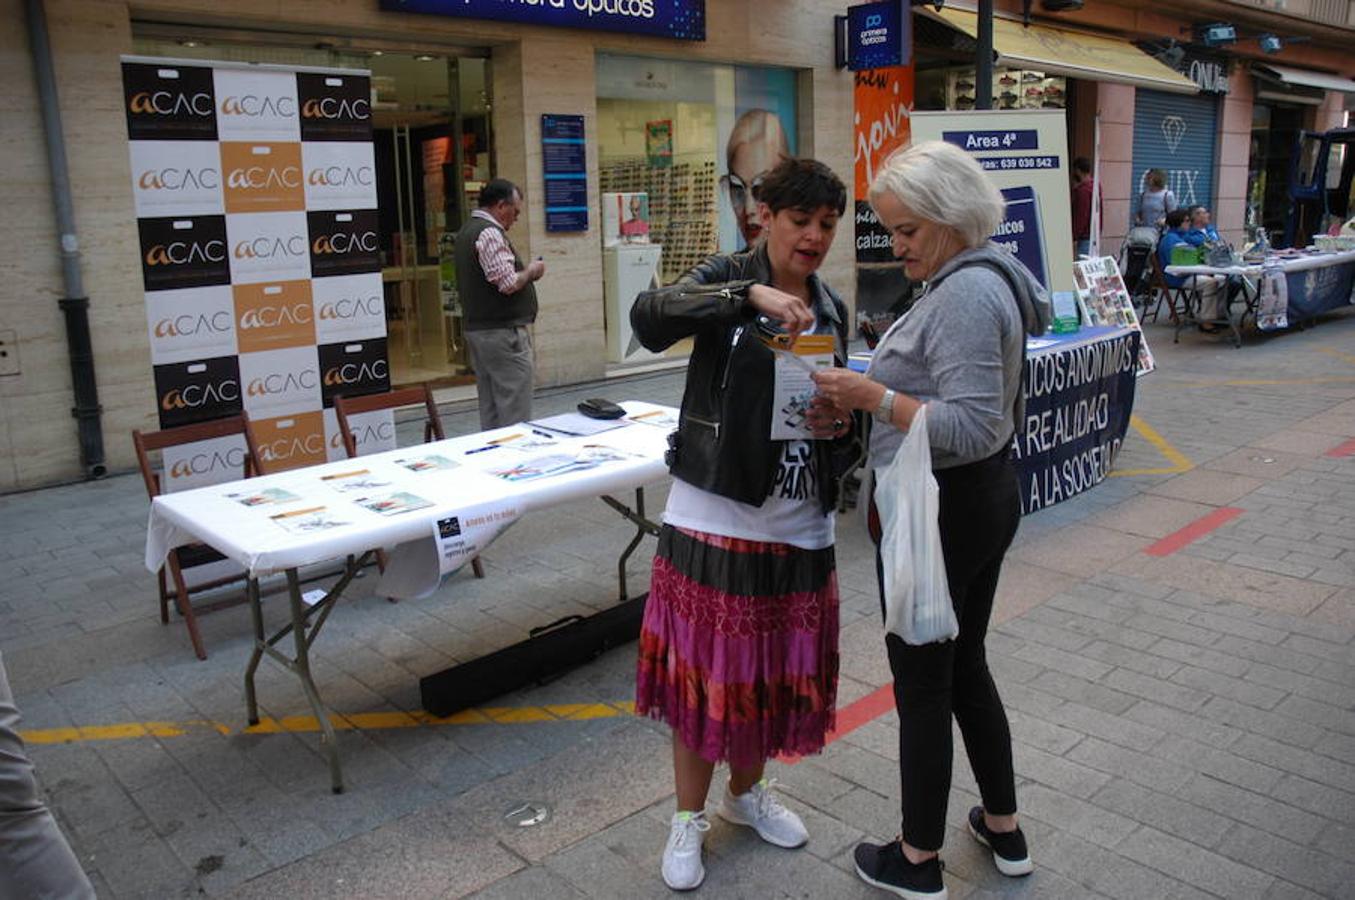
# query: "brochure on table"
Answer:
x=328 y=511
x=1025 y=152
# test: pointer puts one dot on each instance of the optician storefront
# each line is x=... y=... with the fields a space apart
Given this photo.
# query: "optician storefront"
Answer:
x=683 y=105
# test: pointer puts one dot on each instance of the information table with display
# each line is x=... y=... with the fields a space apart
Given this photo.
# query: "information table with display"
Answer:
x=438 y=504
x=1079 y=396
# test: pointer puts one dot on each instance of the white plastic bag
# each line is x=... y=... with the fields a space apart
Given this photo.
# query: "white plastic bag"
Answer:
x=917 y=595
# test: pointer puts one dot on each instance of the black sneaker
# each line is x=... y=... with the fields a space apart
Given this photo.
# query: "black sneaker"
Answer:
x=885 y=866
x=1009 y=847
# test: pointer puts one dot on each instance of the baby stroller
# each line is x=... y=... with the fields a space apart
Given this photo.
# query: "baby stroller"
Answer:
x=1136 y=263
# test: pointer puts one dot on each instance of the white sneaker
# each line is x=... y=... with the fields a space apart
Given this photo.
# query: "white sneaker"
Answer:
x=682 y=868
x=759 y=809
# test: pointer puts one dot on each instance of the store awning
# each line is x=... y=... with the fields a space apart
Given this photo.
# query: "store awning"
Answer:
x=1072 y=53
x=1306 y=78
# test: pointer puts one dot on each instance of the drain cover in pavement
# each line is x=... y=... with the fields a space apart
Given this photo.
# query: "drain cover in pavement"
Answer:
x=525 y=815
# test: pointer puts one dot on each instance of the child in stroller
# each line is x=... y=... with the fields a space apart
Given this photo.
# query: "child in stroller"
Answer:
x=1136 y=263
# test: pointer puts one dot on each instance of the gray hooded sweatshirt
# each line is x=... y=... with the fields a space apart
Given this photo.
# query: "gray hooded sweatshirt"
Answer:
x=960 y=350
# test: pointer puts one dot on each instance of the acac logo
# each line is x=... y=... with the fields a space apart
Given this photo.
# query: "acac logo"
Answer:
x=267 y=248
x=352 y=308
x=253 y=105
x=339 y=176
x=281 y=383
x=352 y=373
x=169 y=103
x=335 y=108
x=383 y=433
x=206 y=463
x=285 y=448
x=179 y=253
x=273 y=316
x=190 y=325
x=172 y=179
x=261 y=178
x=344 y=242
x=199 y=395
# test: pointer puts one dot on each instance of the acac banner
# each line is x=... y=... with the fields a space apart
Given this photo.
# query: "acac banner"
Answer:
x=256 y=213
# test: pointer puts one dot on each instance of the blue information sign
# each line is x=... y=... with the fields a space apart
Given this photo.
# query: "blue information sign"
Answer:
x=1011 y=139
x=681 y=19
x=1020 y=231
x=879 y=35
x=565 y=167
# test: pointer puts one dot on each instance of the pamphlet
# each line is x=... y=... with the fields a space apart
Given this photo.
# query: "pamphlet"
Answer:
x=659 y=418
x=577 y=424
x=263 y=497
x=466 y=534
x=431 y=463
x=307 y=521
x=354 y=480
x=392 y=504
x=1065 y=312
x=589 y=457
x=794 y=387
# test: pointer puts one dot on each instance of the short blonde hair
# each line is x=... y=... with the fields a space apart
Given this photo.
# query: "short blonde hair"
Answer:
x=944 y=184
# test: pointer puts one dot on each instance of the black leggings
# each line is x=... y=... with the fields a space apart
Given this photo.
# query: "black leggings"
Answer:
x=979 y=512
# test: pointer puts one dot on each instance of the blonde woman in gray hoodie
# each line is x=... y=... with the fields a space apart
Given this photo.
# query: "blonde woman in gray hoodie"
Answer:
x=960 y=351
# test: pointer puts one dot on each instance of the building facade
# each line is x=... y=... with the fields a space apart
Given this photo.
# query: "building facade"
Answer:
x=454 y=101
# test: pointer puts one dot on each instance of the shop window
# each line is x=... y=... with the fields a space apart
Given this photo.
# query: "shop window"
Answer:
x=696 y=138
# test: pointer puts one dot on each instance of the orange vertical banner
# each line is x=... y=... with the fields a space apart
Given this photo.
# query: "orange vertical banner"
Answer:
x=883 y=101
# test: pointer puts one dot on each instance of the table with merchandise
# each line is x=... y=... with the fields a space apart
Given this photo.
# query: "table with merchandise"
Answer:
x=437 y=504
x=1312 y=282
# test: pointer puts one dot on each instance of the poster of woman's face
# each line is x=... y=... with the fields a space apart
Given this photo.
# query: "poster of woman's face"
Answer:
x=753 y=136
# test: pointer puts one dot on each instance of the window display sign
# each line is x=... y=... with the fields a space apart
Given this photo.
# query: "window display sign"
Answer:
x=1025 y=153
x=564 y=166
x=879 y=35
x=681 y=19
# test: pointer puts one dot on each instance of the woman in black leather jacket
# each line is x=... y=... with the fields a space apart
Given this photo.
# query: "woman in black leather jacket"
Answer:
x=738 y=652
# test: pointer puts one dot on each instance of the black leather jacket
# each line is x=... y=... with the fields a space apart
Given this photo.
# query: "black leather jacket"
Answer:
x=722 y=442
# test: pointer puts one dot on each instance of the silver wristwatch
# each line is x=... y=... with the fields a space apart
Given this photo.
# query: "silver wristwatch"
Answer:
x=885 y=411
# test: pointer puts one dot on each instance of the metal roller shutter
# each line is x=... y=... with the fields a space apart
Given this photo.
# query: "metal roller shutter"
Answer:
x=1177 y=133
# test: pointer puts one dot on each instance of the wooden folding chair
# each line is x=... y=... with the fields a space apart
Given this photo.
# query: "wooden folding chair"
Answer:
x=344 y=407
x=192 y=555
x=1179 y=300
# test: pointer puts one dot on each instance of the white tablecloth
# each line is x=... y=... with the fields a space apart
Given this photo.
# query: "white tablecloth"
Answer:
x=1293 y=264
x=252 y=536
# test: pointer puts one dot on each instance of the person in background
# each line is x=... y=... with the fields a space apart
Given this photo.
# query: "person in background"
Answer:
x=960 y=351
x=1205 y=287
x=756 y=143
x=1082 y=206
x=738 y=648
x=35 y=860
x=498 y=295
x=1155 y=201
x=1201 y=230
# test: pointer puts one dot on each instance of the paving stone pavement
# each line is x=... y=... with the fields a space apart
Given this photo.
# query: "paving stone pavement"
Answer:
x=1184 y=724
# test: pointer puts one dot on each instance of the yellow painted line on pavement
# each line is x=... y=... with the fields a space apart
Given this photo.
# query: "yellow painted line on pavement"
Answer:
x=365 y=721
x=1338 y=354
x=1179 y=462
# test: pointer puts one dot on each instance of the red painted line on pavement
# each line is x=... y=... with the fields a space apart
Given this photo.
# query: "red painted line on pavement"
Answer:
x=867 y=709
x=1193 y=532
x=1346 y=449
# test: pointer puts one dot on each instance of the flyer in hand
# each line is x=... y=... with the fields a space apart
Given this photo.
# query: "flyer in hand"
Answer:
x=794 y=387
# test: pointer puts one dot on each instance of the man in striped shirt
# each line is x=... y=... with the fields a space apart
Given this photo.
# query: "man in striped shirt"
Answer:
x=498 y=298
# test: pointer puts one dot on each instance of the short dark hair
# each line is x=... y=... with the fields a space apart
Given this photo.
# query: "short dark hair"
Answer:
x=1176 y=218
x=1083 y=165
x=803 y=184
x=496 y=191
